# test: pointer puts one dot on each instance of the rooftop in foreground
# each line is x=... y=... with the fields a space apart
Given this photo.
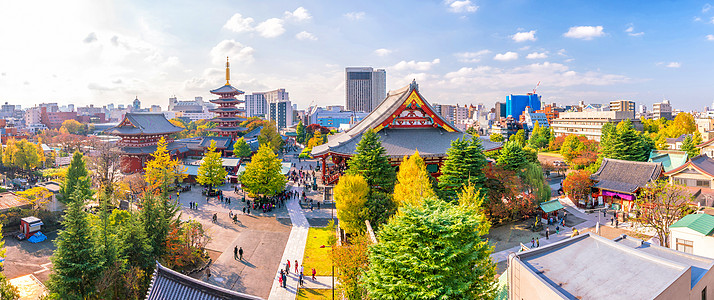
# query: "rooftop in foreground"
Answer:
x=592 y=267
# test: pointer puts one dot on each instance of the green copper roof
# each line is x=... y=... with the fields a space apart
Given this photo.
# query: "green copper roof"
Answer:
x=551 y=205
x=670 y=159
x=701 y=223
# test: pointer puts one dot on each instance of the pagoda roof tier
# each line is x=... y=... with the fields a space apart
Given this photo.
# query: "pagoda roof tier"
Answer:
x=144 y=124
x=227 y=90
x=229 y=129
x=172 y=147
x=405 y=121
x=228 y=119
x=227 y=109
x=226 y=100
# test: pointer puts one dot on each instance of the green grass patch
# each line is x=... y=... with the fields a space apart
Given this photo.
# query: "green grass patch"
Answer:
x=316 y=257
x=314 y=294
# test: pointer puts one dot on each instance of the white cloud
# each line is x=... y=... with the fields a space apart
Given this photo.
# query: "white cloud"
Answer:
x=235 y=50
x=508 y=56
x=239 y=24
x=91 y=37
x=304 y=35
x=673 y=64
x=300 y=14
x=631 y=31
x=537 y=55
x=461 y=6
x=711 y=20
x=706 y=8
x=382 y=52
x=584 y=32
x=710 y=37
x=524 y=36
x=270 y=28
x=355 y=15
x=415 y=65
x=697 y=19
x=471 y=57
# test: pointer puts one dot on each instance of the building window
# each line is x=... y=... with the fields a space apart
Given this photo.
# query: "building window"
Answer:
x=680 y=181
x=703 y=183
x=704 y=293
x=685 y=246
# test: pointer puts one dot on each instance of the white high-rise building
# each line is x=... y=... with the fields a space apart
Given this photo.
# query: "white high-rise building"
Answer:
x=255 y=105
x=662 y=110
x=365 y=88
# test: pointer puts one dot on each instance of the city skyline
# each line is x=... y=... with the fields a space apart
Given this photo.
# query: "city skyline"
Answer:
x=100 y=52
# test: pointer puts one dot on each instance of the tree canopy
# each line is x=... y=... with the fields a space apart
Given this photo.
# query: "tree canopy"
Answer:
x=431 y=251
x=269 y=136
x=263 y=175
x=413 y=182
x=661 y=204
x=76 y=179
x=371 y=162
x=351 y=197
x=512 y=156
x=162 y=171
x=241 y=148
x=689 y=146
x=211 y=171
x=463 y=166
x=496 y=137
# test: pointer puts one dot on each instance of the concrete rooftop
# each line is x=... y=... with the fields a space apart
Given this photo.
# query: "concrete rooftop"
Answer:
x=591 y=267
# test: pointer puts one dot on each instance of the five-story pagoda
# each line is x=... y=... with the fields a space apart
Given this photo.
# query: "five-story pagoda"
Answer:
x=229 y=115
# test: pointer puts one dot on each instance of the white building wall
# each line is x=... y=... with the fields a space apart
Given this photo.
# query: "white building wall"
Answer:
x=703 y=245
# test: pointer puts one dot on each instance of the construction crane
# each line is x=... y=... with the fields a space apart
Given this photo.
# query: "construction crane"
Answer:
x=536 y=87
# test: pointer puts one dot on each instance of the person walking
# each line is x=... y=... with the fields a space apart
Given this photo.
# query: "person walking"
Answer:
x=235 y=253
x=537 y=242
x=557 y=229
x=532 y=242
x=547 y=233
x=240 y=253
x=300 y=280
x=287 y=267
x=296 y=266
x=313 y=274
x=208 y=273
x=302 y=269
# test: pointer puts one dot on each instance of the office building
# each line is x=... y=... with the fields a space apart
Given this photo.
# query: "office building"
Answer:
x=280 y=112
x=500 y=110
x=365 y=88
x=516 y=104
x=662 y=110
x=589 y=123
x=622 y=105
x=255 y=105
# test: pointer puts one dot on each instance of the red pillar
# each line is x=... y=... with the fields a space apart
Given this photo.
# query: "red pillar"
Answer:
x=323 y=169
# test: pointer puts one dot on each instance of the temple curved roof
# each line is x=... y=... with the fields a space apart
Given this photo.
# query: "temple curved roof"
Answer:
x=227 y=89
x=144 y=123
x=430 y=140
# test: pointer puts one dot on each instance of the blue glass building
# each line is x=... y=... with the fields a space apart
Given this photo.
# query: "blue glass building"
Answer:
x=516 y=104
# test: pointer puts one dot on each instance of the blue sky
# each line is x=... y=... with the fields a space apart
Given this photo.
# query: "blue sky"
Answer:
x=97 y=52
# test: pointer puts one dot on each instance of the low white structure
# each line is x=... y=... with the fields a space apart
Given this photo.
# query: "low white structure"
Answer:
x=693 y=234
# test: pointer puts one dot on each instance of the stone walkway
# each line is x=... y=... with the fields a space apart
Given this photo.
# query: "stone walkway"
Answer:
x=295 y=249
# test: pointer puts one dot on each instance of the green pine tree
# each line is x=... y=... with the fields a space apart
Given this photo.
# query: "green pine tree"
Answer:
x=76 y=178
x=432 y=251
x=241 y=148
x=689 y=146
x=372 y=163
x=211 y=171
x=463 y=166
x=607 y=140
x=157 y=215
x=76 y=261
x=519 y=137
x=512 y=157
x=629 y=145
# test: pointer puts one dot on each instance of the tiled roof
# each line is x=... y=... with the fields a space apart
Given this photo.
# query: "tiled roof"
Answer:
x=167 y=284
x=625 y=176
x=222 y=142
x=253 y=133
x=145 y=123
x=171 y=147
x=397 y=141
x=226 y=89
x=678 y=139
x=670 y=159
x=702 y=223
x=431 y=142
x=10 y=200
x=701 y=163
x=552 y=205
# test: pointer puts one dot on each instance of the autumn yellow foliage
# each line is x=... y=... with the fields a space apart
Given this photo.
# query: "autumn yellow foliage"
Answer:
x=351 y=197
x=413 y=183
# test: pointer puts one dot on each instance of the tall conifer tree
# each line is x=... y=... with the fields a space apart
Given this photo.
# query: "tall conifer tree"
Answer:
x=372 y=163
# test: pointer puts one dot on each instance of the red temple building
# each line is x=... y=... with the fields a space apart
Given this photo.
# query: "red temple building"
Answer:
x=139 y=133
x=228 y=114
x=404 y=122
